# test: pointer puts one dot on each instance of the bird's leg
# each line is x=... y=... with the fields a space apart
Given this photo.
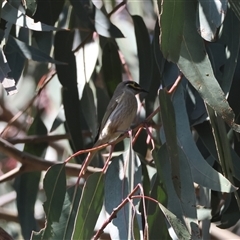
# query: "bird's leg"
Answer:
x=108 y=159
x=88 y=160
x=85 y=165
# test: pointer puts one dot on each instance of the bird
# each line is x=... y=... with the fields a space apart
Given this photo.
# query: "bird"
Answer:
x=119 y=115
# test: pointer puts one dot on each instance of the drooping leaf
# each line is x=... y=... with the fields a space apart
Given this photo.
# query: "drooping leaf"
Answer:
x=202 y=172
x=104 y=27
x=144 y=51
x=89 y=207
x=27 y=185
x=81 y=10
x=229 y=36
x=111 y=66
x=209 y=17
x=14 y=16
x=158 y=62
x=155 y=218
x=28 y=51
x=175 y=223
x=117 y=187
x=67 y=76
x=179 y=204
x=64 y=228
x=196 y=67
x=8 y=83
x=169 y=126
x=89 y=109
x=127 y=45
x=54 y=185
x=223 y=53
x=86 y=58
x=235 y=6
x=16 y=62
x=31 y=6
x=48 y=11
x=171 y=21
x=205 y=133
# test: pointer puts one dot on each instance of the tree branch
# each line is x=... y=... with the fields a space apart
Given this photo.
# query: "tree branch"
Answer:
x=31 y=163
x=33 y=139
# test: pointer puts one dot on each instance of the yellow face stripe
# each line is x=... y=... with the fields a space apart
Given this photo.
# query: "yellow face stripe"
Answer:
x=134 y=85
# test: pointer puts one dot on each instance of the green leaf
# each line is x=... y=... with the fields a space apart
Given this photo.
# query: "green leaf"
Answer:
x=144 y=51
x=175 y=223
x=155 y=217
x=8 y=83
x=104 y=27
x=82 y=13
x=111 y=66
x=89 y=109
x=235 y=6
x=204 y=131
x=86 y=59
x=48 y=11
x=117 y=187
x=196 y=67
x=68 y=78
x=169 y=126
x=127 y=45
x=89 y=207
x=202 y=172
x=222 y=146
x=64 y=228
x=182 y=206
x=27 y=185
x=31 y=7
x=171 y=21
x=27 y=51
x=14 y=16
x=54 y=185
x=230 y=37
x=210 y=16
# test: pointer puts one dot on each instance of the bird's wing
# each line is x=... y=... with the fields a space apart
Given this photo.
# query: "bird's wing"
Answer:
x=110 y=108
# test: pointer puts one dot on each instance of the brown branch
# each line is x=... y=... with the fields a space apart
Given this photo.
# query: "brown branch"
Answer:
x=33 y=139
x=10 y=217
x=114 y=213
x=31 y=163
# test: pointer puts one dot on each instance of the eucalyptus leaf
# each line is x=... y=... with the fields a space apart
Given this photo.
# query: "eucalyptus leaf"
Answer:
x=13 y=15
x=28 y=51
x=54 y=185
x=171 y=21
x=196 y=67
x=117 y=187
x=202 y=172
x=104 y=27
x=27 y=184
x=209 y=17
x=89 y=207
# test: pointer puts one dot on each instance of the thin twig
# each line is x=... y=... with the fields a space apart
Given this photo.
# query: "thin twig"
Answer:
x=114 y=213
x=121 y=4
x=176 y=83
x=45 y=79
